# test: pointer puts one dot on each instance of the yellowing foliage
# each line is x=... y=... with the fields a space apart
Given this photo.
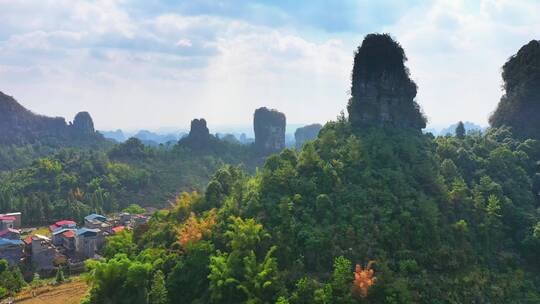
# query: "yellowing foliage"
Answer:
x=183 y=204
x=194 y=229
x=78 y=194
x=363 y=279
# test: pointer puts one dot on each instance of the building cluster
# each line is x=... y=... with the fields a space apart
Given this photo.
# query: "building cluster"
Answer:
x=66 y=242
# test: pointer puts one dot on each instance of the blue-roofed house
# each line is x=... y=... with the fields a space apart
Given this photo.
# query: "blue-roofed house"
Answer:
x=86 y=241
x=92 y=218
x=11 y=250
x=57 y=238
x=97 y=221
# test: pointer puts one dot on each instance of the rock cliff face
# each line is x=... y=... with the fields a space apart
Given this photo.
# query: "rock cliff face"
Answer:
x=199 y=137
x=269 y=127
x=83 y=123
x=20 y=126
x=198 y=129
x=306 y=133
x=382 y=91
x=519 y=107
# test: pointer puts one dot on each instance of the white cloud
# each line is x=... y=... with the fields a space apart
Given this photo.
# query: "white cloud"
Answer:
x=184 y=43
x=62 y=56
x=456 y=50
x=169 y=69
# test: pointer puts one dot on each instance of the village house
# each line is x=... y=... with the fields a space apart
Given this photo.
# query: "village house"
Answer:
x=124 y=218
x=43 y=252
x=7 y=222
x=102 y=224
x=10 y=234
x=68 y=240
x=57 y=235
x=118 y=229
x=139 y=219
x=64 y=224
x=86 y=240
x=17 y=221
x=11 y=250
x=94 y=221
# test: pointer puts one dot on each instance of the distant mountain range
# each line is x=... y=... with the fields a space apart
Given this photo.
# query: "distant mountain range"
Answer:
x=469 y=126
x=19 y=125
x=243 y=135
x=240 y=133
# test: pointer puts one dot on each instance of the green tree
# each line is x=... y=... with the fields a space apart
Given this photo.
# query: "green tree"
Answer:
x=158 y=292
x=60 y=275
x=188 y=280
x=239 y=275
x=118 y=280
x=460 y=130
x=134 y=209
x=342 y=278
x=121 y=242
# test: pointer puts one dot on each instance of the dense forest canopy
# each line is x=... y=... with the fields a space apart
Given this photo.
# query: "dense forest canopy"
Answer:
x=519 y=107
x=424 y=219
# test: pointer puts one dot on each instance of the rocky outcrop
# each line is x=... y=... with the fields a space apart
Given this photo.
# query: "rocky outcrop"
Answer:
x=199 y=137
x=519 y=107
x=18 y=125
x=306 y=133
x=83 y=123
x=269 y=127
x=198 y=129
x=382 y=92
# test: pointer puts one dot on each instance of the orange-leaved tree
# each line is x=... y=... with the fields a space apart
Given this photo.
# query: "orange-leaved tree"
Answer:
x=194 y=229
x=363 y=279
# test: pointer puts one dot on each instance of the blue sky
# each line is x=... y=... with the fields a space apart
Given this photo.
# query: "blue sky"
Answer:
x=156 y=63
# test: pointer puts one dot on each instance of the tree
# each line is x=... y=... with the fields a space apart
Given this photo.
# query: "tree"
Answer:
x=158 y=292
x=194 y=229
x=188 y=280
x=59 y=275
x=363 y=279
x=134 y=209
x=118 y=280
x=121 y=242
x=342 y=277
x=239 y=275
x=460 y=130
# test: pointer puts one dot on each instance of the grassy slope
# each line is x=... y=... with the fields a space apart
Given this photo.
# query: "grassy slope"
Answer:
x=68 y=293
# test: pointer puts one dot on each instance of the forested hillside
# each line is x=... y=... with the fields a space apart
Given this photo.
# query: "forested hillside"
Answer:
x=424 y=219
x=73 y=183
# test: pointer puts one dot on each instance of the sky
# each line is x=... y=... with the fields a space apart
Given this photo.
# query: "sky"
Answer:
x=151 y=64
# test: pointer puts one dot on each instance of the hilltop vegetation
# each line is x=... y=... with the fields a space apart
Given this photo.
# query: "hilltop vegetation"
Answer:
x=453 y=227
x=73 y=183
x=427 y=220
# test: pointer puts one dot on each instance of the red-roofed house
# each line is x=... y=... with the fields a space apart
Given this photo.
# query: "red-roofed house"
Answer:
x=7 y=222
x=28 y=240
x=11 y=234
x=118 y=229
x=68 y=239
x=62 y=224
x=16 y=216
